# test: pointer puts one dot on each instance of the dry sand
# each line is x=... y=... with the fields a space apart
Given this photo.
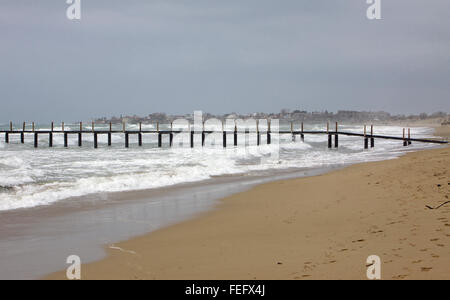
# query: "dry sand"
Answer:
x=321 y=227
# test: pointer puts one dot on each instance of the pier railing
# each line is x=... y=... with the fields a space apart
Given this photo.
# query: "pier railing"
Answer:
x=367 y=136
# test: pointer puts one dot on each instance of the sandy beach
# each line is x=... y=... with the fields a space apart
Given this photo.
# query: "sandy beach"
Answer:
x=321 y=227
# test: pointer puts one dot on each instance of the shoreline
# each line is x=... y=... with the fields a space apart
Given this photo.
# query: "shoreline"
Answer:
x=310 y=232
x=87 y=225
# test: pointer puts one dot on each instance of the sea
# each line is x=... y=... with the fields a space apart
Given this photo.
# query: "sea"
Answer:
x=32 y=177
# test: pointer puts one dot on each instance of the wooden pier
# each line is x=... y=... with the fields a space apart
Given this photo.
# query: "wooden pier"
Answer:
x=366 y=135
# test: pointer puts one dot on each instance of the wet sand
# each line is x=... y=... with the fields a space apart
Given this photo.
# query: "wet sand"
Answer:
x=320 y=227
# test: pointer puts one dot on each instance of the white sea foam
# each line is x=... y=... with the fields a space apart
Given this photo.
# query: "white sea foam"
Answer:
x=30 y=177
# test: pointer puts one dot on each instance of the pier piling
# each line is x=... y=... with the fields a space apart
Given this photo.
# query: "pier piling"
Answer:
x=66 y=140
x=159 y=135
x=140 y=135
x=22 y=134
x=36 y=140
x=302 y=136
x=80 y=140
x=224 y=134
x=372 y=139
x=6 y=137
x=50 y=139
x=258 y=136
x=109 y=139
x=95 y=140
x=127 y=140
x=171 y=135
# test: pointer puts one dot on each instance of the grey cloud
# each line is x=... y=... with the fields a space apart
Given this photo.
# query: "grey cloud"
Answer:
x=221 y=56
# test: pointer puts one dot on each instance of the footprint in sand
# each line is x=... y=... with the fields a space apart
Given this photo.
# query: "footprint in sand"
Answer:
x=417 y=261
x=440 y=245
x=435 y=256
x=423 y=250
x=426 y=269
x=434 y=240
x=358 y=241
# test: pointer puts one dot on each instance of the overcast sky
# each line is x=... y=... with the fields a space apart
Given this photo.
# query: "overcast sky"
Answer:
x=177 y=56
